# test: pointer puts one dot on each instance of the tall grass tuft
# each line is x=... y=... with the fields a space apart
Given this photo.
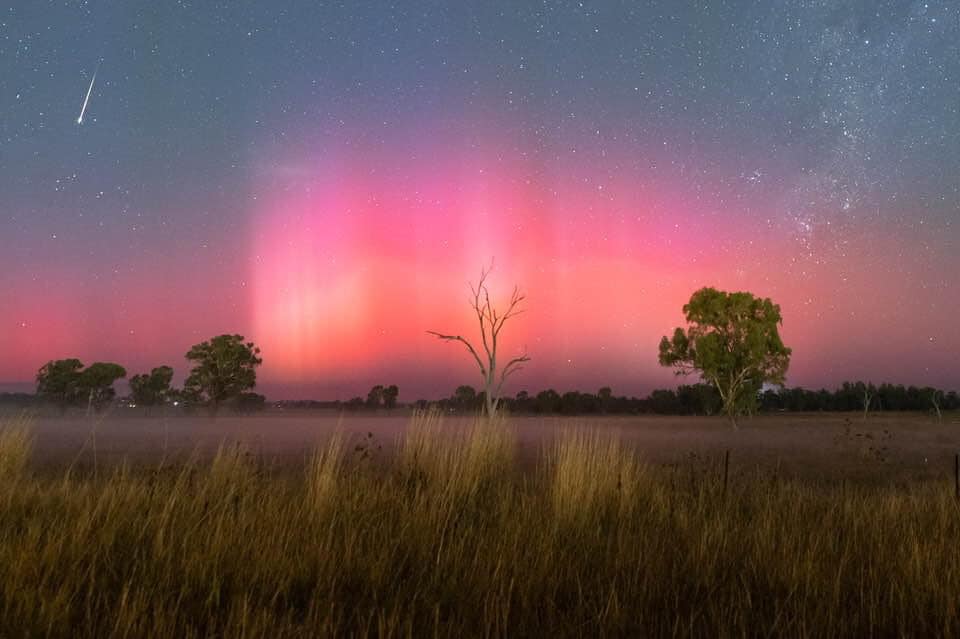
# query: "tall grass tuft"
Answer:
x=461 y=463
x=590 y=473
x=16 y=442
x=323 y=472
x=422 y=450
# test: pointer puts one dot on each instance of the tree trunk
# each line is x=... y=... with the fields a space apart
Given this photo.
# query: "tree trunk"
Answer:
x=490 y=402
x=728 y=404
x=730 y=408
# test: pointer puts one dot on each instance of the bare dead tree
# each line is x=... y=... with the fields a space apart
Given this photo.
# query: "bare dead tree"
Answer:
x=935 y=397
x=868 y=392
x=491 y=323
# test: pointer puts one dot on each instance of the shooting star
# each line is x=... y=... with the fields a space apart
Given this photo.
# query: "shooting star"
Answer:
x=87 y=99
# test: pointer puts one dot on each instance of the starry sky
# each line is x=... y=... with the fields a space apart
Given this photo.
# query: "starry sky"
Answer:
x=325 y=178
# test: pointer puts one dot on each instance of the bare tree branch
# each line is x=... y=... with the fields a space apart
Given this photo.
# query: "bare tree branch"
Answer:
x=457 y=338
x=513 y=365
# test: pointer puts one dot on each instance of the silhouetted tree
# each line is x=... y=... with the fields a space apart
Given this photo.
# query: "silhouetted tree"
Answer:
x=96 y=383
x=605 y=395
x=58 y=382
x=375 y=397
x=771 y=400
x=18 y=400
x=733 y=342
x=248 y=402
x=390 y=394
x=951 y=401
x=465 y=398
x=890 y=397
x=224 y=367
x=664 y=402
x=491 y=323
x=547 y=401
x=698 y=399
x=152 y=389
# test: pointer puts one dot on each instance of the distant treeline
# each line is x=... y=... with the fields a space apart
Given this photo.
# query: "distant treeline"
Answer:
x=690 y=399
x=703 y=399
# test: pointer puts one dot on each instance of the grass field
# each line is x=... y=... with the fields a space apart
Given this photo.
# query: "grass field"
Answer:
x=449 y=534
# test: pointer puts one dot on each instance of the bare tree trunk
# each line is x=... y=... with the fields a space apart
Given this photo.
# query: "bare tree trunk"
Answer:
x=728 y=398
x=491 y=403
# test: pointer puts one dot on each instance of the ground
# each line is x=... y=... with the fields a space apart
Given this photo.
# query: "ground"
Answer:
x=885 y=446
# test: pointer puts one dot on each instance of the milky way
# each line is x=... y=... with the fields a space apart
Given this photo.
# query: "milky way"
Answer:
x=326 y=179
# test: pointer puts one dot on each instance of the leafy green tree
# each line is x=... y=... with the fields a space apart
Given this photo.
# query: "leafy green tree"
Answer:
x=390 y=394
x=96 y=383
x=733 y=342
x=224 y=367
x=58 y=381
x=375 y=397
x=153 y=389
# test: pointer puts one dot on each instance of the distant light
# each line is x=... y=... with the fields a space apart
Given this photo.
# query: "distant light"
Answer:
x=176 y=403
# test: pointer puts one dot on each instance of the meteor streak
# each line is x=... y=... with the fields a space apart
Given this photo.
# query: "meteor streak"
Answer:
x=87 y=98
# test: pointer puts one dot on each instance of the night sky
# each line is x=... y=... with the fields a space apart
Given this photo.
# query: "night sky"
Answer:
x=325 y=178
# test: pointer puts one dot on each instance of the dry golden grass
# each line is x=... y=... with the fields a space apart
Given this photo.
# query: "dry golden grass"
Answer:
x=449 y=538
x=15 y=444
x=590 y=473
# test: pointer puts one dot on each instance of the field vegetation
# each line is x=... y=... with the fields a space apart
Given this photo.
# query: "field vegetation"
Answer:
x=448 y=535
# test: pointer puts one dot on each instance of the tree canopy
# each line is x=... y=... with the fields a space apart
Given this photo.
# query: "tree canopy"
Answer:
x=390 y=394
x=152 y=389
x=58 y=381
x=732 y=340
x=224 y=367
x=96 y=381
x=375 y=396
